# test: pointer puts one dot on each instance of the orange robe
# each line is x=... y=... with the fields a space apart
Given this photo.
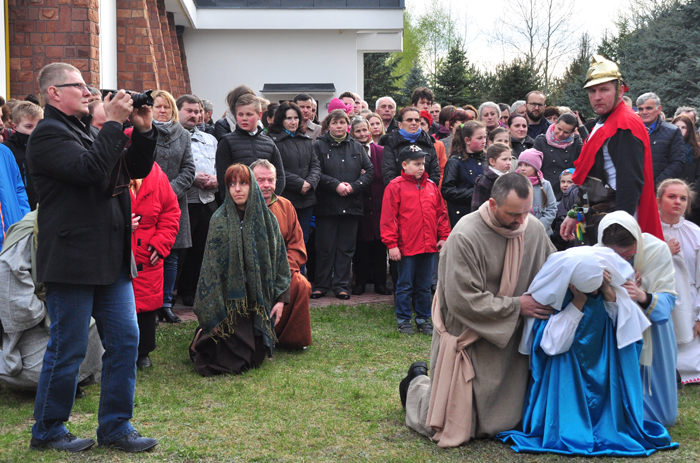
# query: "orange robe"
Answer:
x=294 y=327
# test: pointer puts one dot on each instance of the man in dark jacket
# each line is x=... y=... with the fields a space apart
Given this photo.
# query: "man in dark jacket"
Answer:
x=246 y=144
x=84 y=254
x=409 y=121
x=667 y=146
x=537 y=123
x=386 y=108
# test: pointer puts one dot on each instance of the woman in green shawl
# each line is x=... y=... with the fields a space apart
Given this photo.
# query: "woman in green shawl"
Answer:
x=243 y=284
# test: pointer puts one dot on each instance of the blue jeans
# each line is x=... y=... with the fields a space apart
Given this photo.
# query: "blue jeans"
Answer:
x=70 y=307
x=415 y=276
x=169 y=277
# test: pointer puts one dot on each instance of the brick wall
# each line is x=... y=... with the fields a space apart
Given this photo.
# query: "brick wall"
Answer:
x=149 y=54
x=47 y=31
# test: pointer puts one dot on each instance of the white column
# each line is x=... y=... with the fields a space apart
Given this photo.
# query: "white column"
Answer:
x=360 y=74
x=108 y=44
x=4 y=58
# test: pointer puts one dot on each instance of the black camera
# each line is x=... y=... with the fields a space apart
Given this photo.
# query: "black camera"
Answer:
x=139 y=99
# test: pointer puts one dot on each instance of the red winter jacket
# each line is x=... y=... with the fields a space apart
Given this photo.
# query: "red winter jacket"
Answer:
x=414 y=217
x=157 y=205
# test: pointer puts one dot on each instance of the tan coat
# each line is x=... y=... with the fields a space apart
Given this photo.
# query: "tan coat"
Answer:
x=471 y=265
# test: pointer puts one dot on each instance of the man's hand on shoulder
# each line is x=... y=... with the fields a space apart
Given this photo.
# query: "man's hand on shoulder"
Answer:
x=531 y=308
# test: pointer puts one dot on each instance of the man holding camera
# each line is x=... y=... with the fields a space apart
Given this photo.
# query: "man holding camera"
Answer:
x=84 y=254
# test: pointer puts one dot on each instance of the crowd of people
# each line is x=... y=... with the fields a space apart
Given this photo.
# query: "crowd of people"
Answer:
x=111 y=211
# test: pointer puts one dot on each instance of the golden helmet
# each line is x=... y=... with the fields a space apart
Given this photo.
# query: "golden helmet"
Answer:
x=601 y=70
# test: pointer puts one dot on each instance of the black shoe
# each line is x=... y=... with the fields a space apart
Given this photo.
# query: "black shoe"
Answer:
x=358 y=290
x=383 y=290
x=317 y=295
x=343 y=296
x=406 y=328
x=415 y=370
x=67 y=443
x=165 y=314
x=187 y=300
x=133 y=443
x=144 y=361
x=426 y=328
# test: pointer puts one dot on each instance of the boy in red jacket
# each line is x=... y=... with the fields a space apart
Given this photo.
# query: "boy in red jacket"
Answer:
x=414 y=227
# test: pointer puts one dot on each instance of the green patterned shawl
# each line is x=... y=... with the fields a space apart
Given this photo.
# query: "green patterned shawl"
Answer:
x=245 y=268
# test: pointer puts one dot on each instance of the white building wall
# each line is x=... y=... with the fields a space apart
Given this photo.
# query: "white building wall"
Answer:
x=220 y=60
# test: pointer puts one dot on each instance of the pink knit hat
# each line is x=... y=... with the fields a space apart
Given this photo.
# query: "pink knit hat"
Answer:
x=531 y=157
x=337 y=104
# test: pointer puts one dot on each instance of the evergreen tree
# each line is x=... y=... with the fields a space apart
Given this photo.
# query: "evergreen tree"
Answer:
x=415 y=78
x=454 y=79
x=570 y=88
x=512 y=81
x=379 y=76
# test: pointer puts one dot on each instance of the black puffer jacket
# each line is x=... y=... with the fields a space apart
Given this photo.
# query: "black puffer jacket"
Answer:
x=667 y=151
x=520 y=146
x=395 y=143
x=300 y=165
x=241 y=147
x=556 y=160
x=221 y=128
x=341 y=162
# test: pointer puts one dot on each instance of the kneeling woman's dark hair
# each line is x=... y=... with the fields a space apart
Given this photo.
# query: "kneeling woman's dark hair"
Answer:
x=617 y=235
x=277 y=125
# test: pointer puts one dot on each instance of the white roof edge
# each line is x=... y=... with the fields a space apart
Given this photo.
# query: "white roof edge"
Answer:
x=374 y=20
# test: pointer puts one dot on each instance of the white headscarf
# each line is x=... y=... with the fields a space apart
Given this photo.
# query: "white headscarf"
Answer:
x=583 y=267
x=653 y=262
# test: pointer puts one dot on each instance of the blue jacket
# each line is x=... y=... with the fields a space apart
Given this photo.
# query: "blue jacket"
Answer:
x=13 y=198
x=667 y=151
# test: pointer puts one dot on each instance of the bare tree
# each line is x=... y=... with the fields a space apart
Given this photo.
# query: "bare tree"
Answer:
x=438 y=29
x=541 y=31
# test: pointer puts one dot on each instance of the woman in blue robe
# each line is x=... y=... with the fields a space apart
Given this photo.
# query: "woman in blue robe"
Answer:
x=585 y=392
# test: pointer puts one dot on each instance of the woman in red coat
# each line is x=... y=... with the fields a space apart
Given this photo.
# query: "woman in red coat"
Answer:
x=156 y=220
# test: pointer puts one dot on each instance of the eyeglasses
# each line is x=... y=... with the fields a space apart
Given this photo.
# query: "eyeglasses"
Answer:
x=78 y=85
x=536 y=105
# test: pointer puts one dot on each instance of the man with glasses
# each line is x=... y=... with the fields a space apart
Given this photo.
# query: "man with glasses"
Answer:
x=84 y=254
x=534 y=104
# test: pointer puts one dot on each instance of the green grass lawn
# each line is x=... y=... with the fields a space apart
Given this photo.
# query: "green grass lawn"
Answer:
x=337 y=401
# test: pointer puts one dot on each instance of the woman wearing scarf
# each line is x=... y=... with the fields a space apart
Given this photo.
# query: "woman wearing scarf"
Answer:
x=560 y=147
x=654 y=290
x=409 y=133
x=302 y=170
x=683 y=237
x=155 y=204
x=585 y=391
x=174 y=156
x=519 y=139
x=243 y=284
x=346 y=173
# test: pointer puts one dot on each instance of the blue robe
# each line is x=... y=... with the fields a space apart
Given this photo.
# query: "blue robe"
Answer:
x=588 y=400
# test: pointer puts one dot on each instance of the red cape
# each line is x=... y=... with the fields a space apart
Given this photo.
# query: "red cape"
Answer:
x=624 y=118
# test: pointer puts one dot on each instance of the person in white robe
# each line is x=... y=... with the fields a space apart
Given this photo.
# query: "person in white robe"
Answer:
x=683 y=238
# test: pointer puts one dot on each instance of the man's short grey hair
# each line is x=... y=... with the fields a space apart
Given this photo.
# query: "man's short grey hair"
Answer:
x=208 y=105
x=376 y=105
x=489 y=104
x=94 y=91
x=514 y=107
x=53 y=74
x=649 y=96
x=264 y=163
x=511 y=182
x=686 y=109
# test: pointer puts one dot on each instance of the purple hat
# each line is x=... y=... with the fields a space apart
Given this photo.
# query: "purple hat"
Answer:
x=531 y=157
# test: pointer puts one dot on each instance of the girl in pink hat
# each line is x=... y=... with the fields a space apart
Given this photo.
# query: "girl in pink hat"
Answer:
x=544 y=203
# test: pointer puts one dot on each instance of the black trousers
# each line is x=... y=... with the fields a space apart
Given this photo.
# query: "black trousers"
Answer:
x=370 y=263
x=147 y=331
x=191 y=262
x=336 y=237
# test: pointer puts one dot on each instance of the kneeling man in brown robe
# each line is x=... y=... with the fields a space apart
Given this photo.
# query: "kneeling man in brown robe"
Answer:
x=293 y=329
x=479 y=379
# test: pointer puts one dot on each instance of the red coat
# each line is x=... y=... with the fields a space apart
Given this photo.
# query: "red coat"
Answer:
x=157 y=205
x=414 y=217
